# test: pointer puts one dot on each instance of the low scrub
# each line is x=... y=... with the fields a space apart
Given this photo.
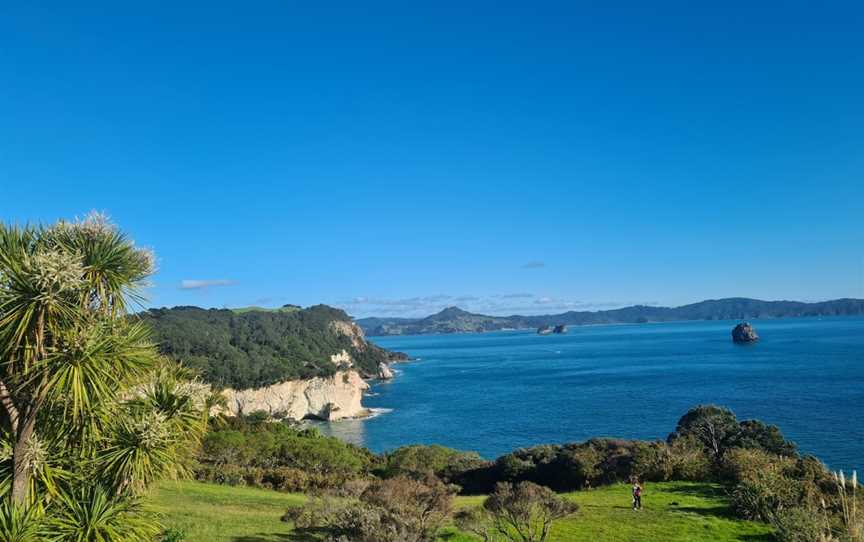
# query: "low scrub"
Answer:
x=398 y=509
x=252 y=452
x=522 y=512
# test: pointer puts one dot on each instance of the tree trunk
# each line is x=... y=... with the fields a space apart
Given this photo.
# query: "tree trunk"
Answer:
x=22 y=472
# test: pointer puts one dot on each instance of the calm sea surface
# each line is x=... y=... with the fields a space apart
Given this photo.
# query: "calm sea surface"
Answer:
x=499 y=391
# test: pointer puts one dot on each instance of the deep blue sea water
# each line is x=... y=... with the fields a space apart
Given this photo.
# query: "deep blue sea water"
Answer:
x=498 y=391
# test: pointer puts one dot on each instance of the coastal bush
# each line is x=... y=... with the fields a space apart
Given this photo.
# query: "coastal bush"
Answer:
x=417 y=461
x=764 y=483
x=740 y=465
x=477 y=521
x=754 y=434
x=575 y=466
x=399 y=509
x=689 y=461
x=718 y=430
x=243 y=451
x=762 y=496
x=683 y=460
x=524 y=512
x=801 y=525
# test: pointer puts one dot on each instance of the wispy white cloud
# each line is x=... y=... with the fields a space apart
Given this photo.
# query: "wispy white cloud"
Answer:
x=204 y=284
x=533 y=264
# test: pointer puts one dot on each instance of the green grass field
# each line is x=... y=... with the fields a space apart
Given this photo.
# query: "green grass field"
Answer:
x=673 y=512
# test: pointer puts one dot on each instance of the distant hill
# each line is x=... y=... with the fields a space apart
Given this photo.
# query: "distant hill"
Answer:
x=250 y=348
x=455 y=320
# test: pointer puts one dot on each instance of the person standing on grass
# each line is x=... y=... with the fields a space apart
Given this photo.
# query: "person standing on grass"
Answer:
x=637 y=495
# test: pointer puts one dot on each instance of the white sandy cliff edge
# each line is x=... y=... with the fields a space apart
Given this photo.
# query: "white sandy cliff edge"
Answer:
x=325 y=398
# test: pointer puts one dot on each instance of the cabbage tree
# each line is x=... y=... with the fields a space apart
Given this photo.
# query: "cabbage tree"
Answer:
x=88 y=406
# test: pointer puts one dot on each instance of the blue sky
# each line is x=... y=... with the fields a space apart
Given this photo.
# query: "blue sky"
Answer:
x=396 y=158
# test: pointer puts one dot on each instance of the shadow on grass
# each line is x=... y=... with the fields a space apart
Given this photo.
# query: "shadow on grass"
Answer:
x=722 y=510
x=704 y=491
x=708 y=492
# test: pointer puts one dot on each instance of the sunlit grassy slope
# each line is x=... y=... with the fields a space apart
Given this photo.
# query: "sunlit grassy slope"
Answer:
x=673 y=512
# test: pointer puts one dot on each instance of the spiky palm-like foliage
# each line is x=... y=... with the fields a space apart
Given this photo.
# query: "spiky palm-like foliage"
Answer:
x=89 y=413
x=20 y=524
x=91 y=515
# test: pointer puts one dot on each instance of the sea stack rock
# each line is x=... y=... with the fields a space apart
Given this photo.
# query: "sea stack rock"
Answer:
x=384 y=371
x=744 y=333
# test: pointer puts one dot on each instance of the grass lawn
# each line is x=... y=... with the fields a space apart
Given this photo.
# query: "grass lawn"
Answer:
x=673 y=512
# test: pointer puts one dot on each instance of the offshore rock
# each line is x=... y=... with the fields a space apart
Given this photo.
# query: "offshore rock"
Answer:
x=744 y=333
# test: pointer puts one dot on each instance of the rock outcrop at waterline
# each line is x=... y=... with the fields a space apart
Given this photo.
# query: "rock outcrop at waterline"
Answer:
x=324 y=398
x=384 y=371
x=744 y=333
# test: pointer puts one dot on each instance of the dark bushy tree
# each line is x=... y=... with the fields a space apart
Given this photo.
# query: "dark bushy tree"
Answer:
x=715 y=427
x=718 y=430
x=758 y=435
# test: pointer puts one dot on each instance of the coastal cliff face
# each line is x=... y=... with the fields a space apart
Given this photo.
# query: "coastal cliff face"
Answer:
x=325 y=398
x=289 y=362
x=251 y=349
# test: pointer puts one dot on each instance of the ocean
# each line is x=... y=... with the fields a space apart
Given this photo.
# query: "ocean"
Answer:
x=494 y=392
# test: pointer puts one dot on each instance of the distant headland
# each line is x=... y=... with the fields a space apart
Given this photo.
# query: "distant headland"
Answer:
x=456 y=320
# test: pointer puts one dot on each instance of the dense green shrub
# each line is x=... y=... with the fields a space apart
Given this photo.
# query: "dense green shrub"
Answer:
x=766 y=484
x=418 y=460
x=754 y=434
x=681 y=460
x=576 y=466
x=399 y=509
x=800 y=525
x=718 y=430
x=238 y=451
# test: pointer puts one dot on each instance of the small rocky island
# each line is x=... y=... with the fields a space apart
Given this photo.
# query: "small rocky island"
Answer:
x=744 y=333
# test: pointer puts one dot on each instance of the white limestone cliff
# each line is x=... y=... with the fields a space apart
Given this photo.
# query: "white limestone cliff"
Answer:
x=326 y=398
